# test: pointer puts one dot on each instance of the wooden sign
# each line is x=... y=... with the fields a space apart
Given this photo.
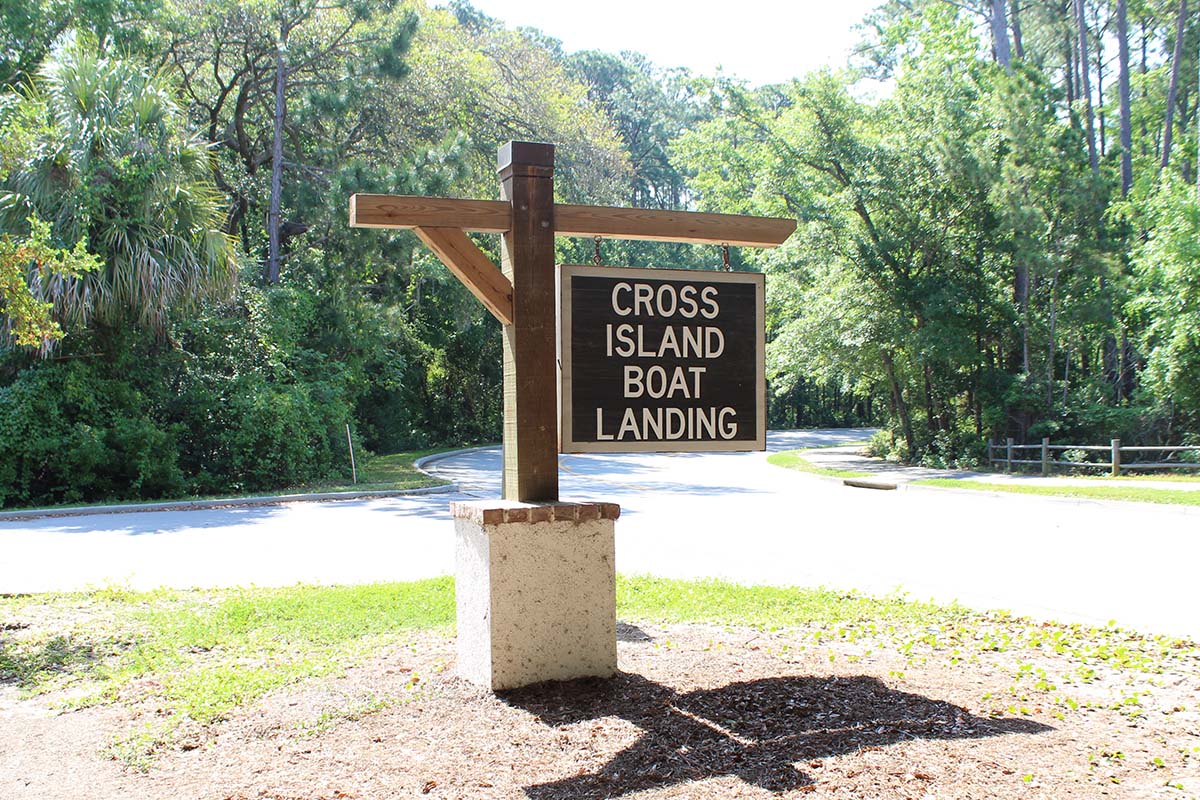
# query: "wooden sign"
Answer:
x=661 y=360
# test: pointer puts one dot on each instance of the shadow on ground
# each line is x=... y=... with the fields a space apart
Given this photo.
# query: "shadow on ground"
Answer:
x=756 y=730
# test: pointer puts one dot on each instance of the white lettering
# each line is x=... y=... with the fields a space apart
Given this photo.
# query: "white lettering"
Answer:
x=708 y=296
x=669 y=291
x=728 y=429
x=676 y=431
x=625 y=339
x=652 y=420
x=661 y=374
x=669 y=343
x=622 y=312
x=643 y=294
x=633 y=381
x=601 y=436
x=687 y=298
x=629 y=423
x=709 y=350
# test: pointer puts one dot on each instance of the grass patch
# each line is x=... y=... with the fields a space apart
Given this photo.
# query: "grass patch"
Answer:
x=1137 y=494
x=189 y=659
x=198 y=655
x=794 y=459
x=395 y=471
x=711 y=601
x=1165 y=477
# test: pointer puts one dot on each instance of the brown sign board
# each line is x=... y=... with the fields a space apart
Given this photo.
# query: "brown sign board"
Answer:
x=661 y=360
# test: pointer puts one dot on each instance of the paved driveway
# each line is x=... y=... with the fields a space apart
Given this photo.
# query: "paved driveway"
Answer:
x=685 y=515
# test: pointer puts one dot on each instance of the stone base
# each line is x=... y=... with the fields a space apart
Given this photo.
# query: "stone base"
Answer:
x=536 y=589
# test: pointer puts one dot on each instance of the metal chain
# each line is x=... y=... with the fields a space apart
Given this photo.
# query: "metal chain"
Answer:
x=725 y=258
x=596 y=253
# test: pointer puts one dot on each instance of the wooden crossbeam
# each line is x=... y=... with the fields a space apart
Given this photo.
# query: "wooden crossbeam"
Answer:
x=471 y=266
x=402 y=213
x=671 y=226
x=495 y=216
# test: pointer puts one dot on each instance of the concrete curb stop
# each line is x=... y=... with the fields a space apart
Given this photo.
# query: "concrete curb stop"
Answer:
x=861 y=483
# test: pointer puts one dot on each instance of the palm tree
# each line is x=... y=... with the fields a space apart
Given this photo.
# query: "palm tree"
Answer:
x=114 y=165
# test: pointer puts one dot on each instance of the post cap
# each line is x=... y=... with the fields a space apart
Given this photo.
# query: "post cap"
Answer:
x=533 y=154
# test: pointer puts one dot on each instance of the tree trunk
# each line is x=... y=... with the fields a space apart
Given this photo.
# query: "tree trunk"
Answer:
x=1173 y=88
x=1018 y=44
x=1053 y=337
x=1123 y=91
x=1066 y=375
x=1021 y=298
x=1129 y=365
x=273 y=214
x=1070 y=72
x=1101 y=117
x=1000 y=35
x=898 y=402
x=1086 y=88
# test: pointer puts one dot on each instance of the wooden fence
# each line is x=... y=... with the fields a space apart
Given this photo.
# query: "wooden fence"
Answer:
x=1011 y=454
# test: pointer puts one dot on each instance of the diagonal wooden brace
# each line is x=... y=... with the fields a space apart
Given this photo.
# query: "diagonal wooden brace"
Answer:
x=471 y=266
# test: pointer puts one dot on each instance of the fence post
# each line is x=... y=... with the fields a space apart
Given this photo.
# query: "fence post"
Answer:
x=1116 y=458
x=991 y=461
x=1045 y=455
x=1008 y=456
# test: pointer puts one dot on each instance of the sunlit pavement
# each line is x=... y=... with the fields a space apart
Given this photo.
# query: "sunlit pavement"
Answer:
x=731 y=516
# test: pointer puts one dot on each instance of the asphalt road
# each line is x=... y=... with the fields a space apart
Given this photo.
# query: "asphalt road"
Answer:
x=683 y=515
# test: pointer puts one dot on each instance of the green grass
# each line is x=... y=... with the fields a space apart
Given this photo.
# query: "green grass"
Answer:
x=794 y=459
x=189 y=659
x=712 y=601
x=395 y=471
x=1138 y=494
x=198 y=655
x=1167 y=477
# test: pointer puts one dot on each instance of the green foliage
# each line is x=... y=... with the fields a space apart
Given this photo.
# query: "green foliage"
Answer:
x=73 y=433
x=959 y=272
x=1167 y=274
x=114 y=165
x=36 y=260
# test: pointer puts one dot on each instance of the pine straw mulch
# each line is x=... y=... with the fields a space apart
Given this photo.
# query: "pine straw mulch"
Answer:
x=697 y=712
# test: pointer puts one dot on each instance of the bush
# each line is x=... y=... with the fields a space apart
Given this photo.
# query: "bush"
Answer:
x=887 y=445
x=70 y=435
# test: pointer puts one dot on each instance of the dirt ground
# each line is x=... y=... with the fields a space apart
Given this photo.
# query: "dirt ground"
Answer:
x=696 y=712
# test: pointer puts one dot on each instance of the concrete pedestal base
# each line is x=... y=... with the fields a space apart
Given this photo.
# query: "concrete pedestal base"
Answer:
x=536 y=589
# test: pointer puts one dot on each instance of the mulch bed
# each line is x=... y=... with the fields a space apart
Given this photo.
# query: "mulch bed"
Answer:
x=697 y=712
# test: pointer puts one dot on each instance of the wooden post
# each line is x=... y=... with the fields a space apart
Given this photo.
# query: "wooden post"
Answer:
x=530 y=378
x=1008 y=455
x=1045 y=455
x=1116 y=458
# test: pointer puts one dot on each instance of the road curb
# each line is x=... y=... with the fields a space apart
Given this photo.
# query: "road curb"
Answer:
x=423 y=461
x=230 y=502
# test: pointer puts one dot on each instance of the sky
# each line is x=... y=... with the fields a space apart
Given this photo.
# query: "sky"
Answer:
x=761 y=41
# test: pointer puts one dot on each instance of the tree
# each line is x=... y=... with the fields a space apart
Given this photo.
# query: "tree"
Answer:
x=293 y=86
x=114 y=165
